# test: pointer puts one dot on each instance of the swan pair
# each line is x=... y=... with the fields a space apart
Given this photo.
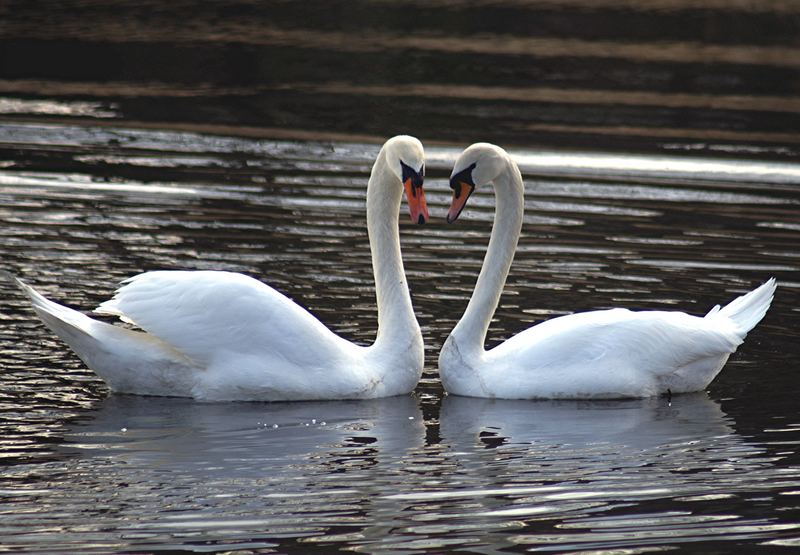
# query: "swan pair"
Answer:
x=225 y=336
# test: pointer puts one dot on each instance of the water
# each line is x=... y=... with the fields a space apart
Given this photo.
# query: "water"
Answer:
x=659 y=148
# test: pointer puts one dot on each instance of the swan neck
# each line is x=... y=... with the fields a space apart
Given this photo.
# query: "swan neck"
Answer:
x=396 y=320
x=470 y=332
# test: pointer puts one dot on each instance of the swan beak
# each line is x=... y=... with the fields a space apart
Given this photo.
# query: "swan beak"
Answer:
x=461 y=193
x=417 y=206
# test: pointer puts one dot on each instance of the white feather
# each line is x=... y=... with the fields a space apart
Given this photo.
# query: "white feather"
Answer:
x=603 y=354
x=225 y=336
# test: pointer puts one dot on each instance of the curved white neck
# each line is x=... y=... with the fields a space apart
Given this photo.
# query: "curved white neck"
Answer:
x=470 y=332
x=396 y=321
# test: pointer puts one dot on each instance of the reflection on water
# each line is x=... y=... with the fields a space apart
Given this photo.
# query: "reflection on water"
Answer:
x=239 y=135
x=157 y=473
x=634 y=426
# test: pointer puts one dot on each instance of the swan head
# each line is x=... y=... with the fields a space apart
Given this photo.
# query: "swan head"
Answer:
x=405 y=158
x=478 y=165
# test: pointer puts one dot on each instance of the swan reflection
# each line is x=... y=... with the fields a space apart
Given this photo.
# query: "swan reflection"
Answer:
x=361 y=474
x=240 y=439
x=629 y=424
x=609 y=452
x=169 y=468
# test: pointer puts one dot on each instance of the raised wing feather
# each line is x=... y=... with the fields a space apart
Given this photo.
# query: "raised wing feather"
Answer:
x=205 y=314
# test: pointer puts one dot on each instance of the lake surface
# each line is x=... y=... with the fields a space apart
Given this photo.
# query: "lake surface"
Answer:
x=659 y=146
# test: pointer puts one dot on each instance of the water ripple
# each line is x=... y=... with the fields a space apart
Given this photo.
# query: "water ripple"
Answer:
x=84 y=470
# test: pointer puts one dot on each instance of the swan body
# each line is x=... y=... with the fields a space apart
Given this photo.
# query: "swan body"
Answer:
x=614 y=353
x=214 y=335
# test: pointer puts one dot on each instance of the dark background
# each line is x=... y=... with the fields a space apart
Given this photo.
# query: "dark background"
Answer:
x=697 y=76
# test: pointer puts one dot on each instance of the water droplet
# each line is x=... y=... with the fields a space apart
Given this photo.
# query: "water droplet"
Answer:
x=274 y=425
x=123 y=430
x=411 y=418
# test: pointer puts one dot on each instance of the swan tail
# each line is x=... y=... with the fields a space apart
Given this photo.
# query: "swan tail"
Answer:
x=748 y=310
x=128 y=361
x=70 y=325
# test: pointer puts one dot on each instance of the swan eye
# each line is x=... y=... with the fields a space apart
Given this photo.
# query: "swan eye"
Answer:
x=412 y=183
x=415 y=176
x=464 y=177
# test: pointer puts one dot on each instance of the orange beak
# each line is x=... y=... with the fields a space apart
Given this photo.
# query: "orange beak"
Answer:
x=417 y=206
x=460 y=196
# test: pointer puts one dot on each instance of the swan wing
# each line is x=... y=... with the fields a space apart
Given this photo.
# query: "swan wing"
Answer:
x=655 y=340
x=209 y=314
x=617 y=351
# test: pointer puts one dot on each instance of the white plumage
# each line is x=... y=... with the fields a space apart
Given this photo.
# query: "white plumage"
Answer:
x=225 y=336
x=603 y=354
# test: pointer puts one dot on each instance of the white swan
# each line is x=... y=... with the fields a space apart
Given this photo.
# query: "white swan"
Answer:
x=225 y=336
x=602 y=354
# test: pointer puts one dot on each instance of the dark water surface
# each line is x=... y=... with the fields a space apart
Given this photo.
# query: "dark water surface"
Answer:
x=659 y=145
